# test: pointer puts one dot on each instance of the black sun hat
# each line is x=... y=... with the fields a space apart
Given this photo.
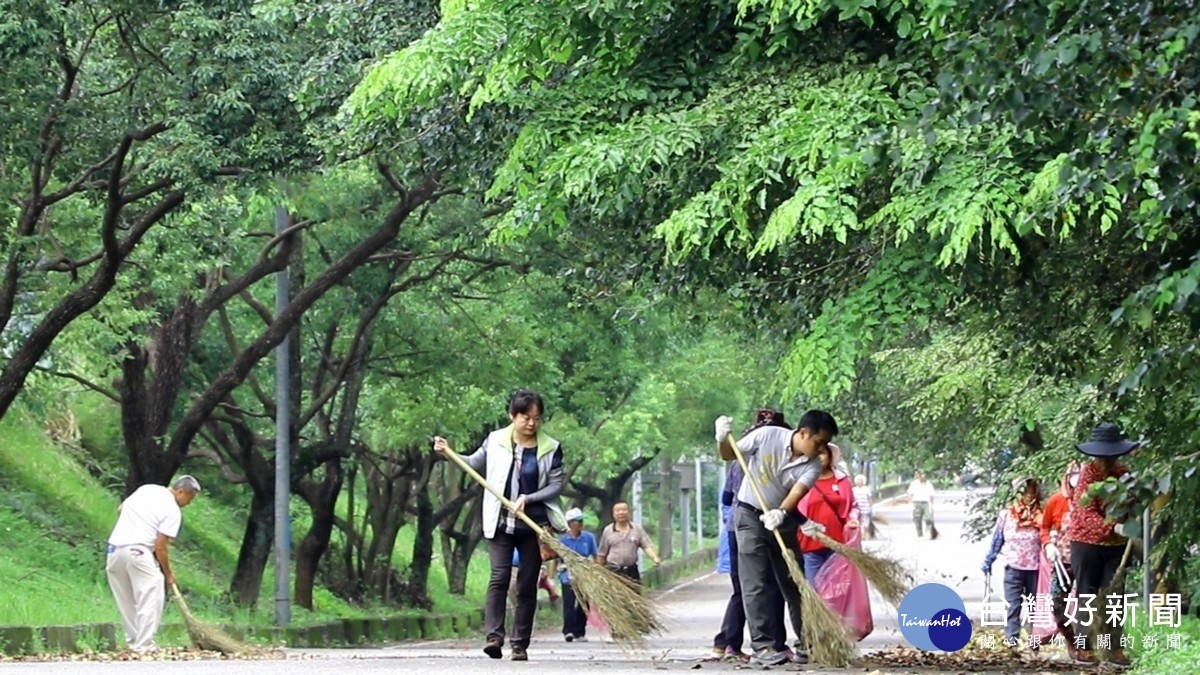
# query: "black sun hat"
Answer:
x=1107 y=441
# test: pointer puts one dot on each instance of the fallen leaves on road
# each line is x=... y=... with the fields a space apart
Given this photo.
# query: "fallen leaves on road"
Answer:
x=169 y=654
x=971 y=659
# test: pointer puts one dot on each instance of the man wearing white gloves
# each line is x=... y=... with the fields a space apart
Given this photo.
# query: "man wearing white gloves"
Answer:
x=783 y=463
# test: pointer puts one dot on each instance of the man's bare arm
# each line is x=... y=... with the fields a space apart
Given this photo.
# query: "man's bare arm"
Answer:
x=161 y=544
x=792 y=500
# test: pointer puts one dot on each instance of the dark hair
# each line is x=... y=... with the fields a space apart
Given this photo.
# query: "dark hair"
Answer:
x=524 y=400
x=817 y=421
x=767 y=417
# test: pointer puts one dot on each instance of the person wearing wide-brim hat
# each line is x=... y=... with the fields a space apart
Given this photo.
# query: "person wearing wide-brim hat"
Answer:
x=1096 y=546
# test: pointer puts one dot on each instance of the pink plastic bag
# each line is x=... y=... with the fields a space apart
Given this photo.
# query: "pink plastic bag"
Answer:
x=844 y=589
x=595 y=619
x=1047 y=628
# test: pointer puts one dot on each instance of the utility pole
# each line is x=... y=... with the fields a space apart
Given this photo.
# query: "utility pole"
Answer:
x=636 y=495
x=283 y=455
x=699 y=503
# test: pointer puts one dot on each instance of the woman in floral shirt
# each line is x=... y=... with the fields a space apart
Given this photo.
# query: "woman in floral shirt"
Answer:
x=1017 y=540
x=1096 y=548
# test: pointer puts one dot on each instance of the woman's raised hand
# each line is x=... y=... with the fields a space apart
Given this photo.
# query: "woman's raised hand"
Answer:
x=440 y=445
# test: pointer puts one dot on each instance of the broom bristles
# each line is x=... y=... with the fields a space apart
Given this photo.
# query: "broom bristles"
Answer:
x=205 y=636
x=825 y=633
x=630 y=615
x=888 y=576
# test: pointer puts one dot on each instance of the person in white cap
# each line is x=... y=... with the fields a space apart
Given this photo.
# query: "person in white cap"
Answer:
x=138 y=565
x=584 y=543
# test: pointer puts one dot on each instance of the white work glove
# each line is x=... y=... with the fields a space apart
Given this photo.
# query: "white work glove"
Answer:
x=772 y=519
x=1052 y=552
x=722 y=427
x=810 y=528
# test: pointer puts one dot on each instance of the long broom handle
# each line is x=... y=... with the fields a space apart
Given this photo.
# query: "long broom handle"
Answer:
x=511 y=506
x=737 y=453
x=179 y=597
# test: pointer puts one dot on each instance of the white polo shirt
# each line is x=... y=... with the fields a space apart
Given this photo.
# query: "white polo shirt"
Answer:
x=146 y=513
x=768 y=453
x=921 y=491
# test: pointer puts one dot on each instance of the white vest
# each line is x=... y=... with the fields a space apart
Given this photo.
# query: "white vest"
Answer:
x=499 y=457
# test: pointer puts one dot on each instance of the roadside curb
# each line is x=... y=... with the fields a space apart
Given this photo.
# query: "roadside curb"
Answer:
x=102 y=637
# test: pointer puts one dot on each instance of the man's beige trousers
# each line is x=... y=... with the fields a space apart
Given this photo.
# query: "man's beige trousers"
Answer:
x=138 y=587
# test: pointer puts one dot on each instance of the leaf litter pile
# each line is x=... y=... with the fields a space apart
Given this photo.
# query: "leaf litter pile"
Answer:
x=974 y=659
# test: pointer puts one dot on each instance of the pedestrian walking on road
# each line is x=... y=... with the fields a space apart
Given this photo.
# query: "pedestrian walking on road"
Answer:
x=575 y=614
x=138 y=565
x=619 y=544
x=1016 y=540
x=830 y=502
x=783 y=464
x=862 y=497
x=921 y=492
x=526 y=466
x=1096 y=546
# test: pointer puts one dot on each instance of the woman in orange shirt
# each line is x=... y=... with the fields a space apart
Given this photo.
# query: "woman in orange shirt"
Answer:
x=1056 y=518
x=831 y=503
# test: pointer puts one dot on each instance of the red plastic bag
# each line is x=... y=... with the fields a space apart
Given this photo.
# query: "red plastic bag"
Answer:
x=844 y=589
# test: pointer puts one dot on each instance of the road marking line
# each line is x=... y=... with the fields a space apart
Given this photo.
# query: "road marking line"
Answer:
x=686 y=584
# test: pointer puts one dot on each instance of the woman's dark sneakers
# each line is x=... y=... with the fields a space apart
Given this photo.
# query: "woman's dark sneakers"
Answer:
x=519 y=654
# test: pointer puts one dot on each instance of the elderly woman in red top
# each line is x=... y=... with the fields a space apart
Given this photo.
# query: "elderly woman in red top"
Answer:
x=1096 y=548
x=831 y=503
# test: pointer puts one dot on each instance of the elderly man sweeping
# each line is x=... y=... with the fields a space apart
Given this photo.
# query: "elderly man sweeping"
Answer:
x=138 y=564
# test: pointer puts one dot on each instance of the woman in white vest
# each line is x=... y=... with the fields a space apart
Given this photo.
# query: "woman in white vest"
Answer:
x=525 y=465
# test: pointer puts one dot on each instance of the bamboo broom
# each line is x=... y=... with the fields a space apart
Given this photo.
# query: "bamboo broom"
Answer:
x=205 y=636
x=825 y=634
x=630 y=615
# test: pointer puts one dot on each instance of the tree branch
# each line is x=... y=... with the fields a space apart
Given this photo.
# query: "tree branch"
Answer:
x=291 y=315
x=232 y=342
x=227 y=471
x=259 y=308
x=109 y=393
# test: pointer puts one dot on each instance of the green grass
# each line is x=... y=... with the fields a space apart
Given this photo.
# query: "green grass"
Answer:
x=1159 y=656
x=55 y=519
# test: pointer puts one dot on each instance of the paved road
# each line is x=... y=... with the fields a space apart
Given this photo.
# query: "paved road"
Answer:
x=693 y=610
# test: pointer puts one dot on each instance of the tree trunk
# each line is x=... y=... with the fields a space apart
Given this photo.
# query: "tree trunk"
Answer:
x=459 y=544
x=388 y=487
x=322 y=499
x=256 y=549
x=422 y=551
x=666 y=533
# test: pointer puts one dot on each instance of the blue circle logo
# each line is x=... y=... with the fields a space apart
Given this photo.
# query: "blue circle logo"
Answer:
x=933 y=617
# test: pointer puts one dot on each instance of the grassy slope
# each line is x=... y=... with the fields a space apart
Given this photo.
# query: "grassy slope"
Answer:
x=55 y=518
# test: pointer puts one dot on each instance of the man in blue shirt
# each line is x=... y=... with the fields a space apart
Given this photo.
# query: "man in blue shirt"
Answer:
x=583 y=543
